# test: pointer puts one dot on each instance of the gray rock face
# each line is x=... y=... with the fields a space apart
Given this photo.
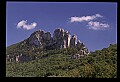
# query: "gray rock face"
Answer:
x=73 y=41
x=61 y=39
x=47 y=36
x=40 y=38
x=78 y=43
x=19 y=58
x=58 y=38
x=36 y=38
x=75 y=56
x=67 y=37
x=83 y=50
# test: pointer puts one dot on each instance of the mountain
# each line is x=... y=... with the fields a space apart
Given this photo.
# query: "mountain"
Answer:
x=62 y=55
x=58 y=63
x=41 y=41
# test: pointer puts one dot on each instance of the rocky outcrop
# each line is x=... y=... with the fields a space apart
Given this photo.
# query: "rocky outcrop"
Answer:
x=19 y=58
x=58 y=38
x=40 y=38
x=61 y=39
x=67 y=37
x=76 y=56
x=36 y=38
x=73 y=41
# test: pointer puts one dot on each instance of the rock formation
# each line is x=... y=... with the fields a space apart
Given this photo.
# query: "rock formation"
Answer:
x=67 y=37
x=73 y=41
x=58 y=38
x=36 y=38
x=61 y=39
x=19 y=58
x=40 y=38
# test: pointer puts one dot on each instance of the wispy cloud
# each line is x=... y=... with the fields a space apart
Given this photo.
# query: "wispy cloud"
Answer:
x=22 y=24
x=89 y=19
x=98 y=26
x=84 y=18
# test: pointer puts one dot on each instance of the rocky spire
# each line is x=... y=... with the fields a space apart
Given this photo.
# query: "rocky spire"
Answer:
x=61 y=39
x=73 y=40
x=67 y=37
x=58 y=38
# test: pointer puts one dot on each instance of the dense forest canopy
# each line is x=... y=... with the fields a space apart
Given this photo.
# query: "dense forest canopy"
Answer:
x=58 y=63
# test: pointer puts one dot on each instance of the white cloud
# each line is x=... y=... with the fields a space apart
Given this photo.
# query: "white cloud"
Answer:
x=89 y=19
x=98 y=15
x=98 y=26
x=84 y=18
x=22 y=24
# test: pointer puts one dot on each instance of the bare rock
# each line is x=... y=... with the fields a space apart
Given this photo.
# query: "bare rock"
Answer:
x=73 y=41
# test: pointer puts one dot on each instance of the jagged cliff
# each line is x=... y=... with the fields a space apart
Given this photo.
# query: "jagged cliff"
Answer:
x=61 y=39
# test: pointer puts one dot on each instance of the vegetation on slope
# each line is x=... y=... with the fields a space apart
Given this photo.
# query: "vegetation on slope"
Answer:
x=58 y=63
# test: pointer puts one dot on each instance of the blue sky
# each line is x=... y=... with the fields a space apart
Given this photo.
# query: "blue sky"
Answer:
x=95 y=24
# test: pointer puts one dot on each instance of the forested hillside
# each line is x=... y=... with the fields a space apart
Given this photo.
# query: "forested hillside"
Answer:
x=59 y=63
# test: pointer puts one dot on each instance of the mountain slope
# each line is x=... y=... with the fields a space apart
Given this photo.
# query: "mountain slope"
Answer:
x=40 y=42
x=58 y=63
